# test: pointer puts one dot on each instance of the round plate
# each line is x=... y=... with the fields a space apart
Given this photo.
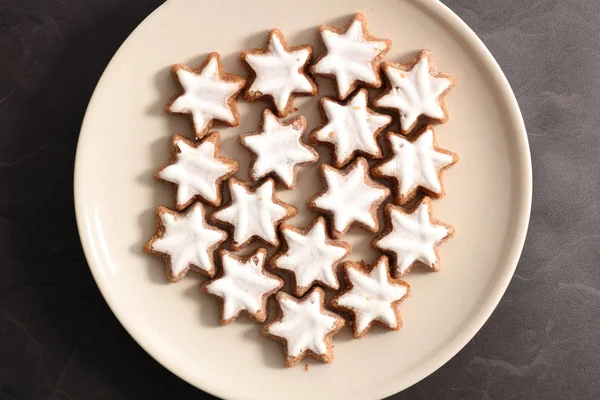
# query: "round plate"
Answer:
x=126 y=136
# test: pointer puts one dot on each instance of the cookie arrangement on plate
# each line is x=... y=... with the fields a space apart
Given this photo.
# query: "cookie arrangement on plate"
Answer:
x=314 y=256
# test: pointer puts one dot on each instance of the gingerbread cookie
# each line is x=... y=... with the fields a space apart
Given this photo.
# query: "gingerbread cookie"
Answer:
x=197 y=170
x=372 y=296
x=351 y=197
x=278 y=149
x=278 y=71
x=413 y=237
x=253 y=213
x=208 y=94
x=351 y=56
x=244 y=286
x=350 y=129
x=416 y=164
x=185 y=241
x=417 y=91
x=311 y=256
x=304 y=327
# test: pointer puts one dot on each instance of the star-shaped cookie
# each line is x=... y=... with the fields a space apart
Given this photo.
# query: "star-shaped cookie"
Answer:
x=351 y=56
x=278 y=149
x=278 y=71
x=304 y=327
x=208 y=94
x=197 y=169
x=415 y=164
x=351 y=197
x=311 y=256
x=185 y=241
x=416 y=90
x=350 y=129
x=253 y=213
x=413 y=237
x=372 y=296
x=244 y=286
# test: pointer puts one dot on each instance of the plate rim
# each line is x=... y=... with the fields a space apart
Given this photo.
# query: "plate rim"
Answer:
x=522 y=215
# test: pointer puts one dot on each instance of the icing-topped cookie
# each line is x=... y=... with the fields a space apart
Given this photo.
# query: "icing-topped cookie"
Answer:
x=185 y=241
x=197 y=169
x=304 y=327
x=416 y=90
x=311 y=256
x=278 y=71
x=351 y=197
x=412 y=237
x=253 y=213
x=244 y=286
x=208 y=94
x=415 y=164
x=350 y=129
x=278 y=149
x=372 y=296
x=351 y=56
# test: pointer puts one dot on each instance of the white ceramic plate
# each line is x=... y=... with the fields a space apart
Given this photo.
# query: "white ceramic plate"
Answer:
x=126 y=135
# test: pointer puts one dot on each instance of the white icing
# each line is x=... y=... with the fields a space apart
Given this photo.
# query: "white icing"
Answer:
x=351 y=127
x=279 y=148
x=243 y=285
x=279 y=72
x=206 y=95
x=303 y=325
x=350 y=197
x=349 y=57
x=372 y=296
x=414 y=93
x=310 y=258
x=415 y=164
x=412 y=238
x=187 y=240
x=252 y=213
x=195 y=171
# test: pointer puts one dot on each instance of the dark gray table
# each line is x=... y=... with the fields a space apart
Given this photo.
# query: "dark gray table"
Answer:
x=59 y=340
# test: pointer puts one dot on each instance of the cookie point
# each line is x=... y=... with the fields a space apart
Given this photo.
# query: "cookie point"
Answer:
x=274 y=31
x=359 y=17
x=214 y=54
x=425 y=53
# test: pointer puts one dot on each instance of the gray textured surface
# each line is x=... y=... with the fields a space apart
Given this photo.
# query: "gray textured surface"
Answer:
x=58 y=339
